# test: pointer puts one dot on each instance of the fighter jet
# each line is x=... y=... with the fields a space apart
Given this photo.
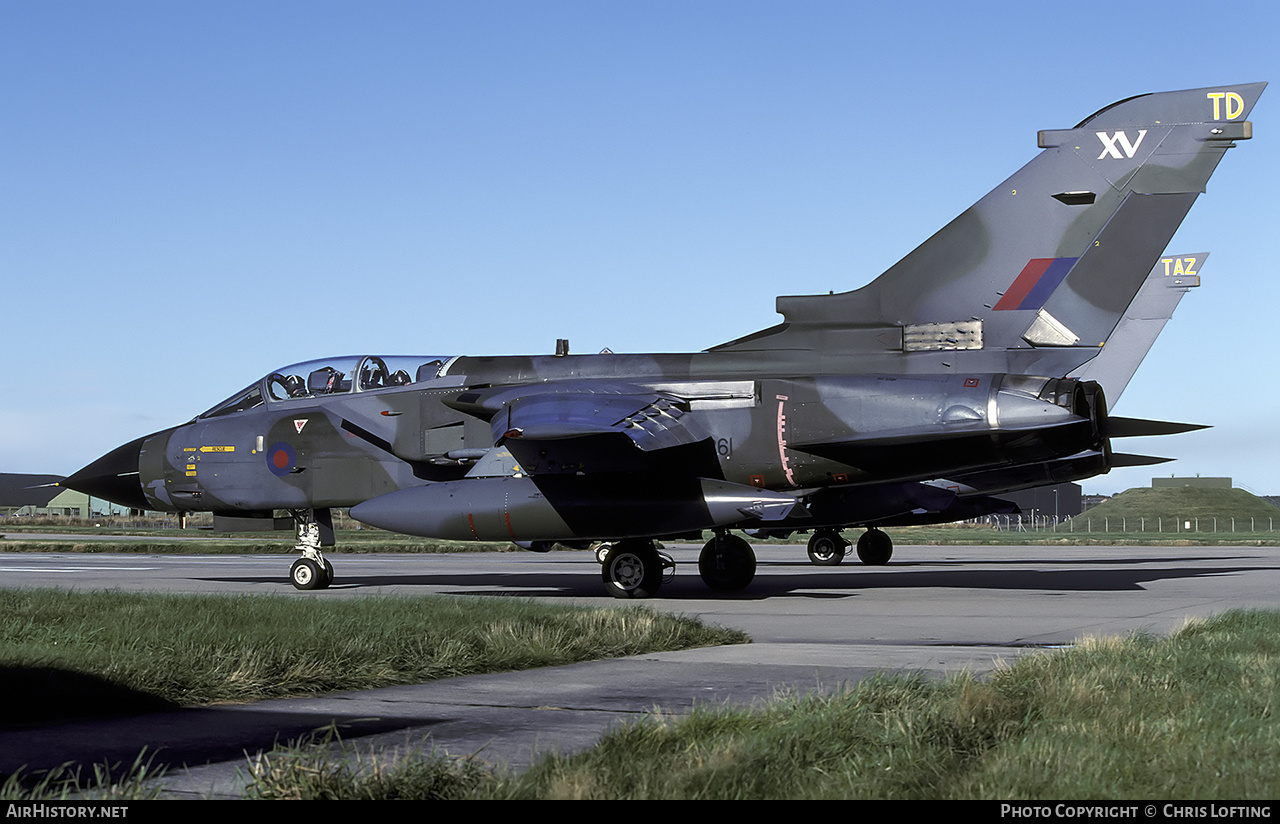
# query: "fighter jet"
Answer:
x=977 y=365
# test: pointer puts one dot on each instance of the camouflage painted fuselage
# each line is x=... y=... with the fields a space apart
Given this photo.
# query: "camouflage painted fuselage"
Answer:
x=975 y=365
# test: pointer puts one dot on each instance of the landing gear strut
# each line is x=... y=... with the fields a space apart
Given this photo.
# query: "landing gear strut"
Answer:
x=314 y=529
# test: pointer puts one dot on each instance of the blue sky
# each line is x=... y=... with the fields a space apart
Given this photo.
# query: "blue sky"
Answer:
x=197 y=193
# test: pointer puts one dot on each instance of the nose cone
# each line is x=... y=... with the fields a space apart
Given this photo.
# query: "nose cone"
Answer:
x=114 y=477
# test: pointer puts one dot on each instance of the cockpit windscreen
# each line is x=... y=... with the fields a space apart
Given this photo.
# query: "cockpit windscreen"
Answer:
x=334 y=376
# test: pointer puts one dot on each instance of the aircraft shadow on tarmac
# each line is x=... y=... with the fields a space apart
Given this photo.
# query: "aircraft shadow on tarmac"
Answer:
x=561 y=583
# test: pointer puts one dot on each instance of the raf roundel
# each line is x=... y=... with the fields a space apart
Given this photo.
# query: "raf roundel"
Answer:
x=281 y=458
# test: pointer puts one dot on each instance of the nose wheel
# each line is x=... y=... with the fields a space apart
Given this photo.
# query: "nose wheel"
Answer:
x=307 y=573
x=312 y=570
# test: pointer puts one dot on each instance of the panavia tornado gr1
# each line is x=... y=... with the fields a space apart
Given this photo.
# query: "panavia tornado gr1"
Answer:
x=979 y=364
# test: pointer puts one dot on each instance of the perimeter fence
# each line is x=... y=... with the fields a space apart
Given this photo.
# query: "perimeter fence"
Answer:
x=1165 y=525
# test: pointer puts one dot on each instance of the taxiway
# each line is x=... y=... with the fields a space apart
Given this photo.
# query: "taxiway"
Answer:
x=935 y=610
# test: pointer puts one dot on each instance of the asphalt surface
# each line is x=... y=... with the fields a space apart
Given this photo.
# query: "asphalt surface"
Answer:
x=934 y=610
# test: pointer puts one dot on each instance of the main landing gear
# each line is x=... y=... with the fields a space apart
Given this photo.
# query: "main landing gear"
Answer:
x=634 y=568
x=875 y=548
x=727 y=562
x=828 y=548
x=314 y=529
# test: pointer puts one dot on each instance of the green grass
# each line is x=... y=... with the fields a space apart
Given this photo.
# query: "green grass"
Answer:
x=1192 y=716
x=321 y=770
x=150 y=540
x=63 y=652
x=1079 y=535
x=1099 y=533
x=1142 y=516
x=103 y=782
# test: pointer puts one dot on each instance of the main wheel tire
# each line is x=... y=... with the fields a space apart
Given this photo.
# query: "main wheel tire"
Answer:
x=328 y=574
x=727 y=563
x=306 y=574
x=632 y=569
x=827 y=548
x=875 y=548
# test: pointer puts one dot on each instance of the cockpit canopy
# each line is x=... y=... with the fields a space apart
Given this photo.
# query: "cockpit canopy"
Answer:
x=333 y=376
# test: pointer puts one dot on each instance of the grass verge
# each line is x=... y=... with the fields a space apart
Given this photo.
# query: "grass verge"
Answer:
x=104 y=782
x=196 y=542
x=61 y=650
x=323 y=770
x=1085 y=532
x=1192 y=716
x=1189 y=716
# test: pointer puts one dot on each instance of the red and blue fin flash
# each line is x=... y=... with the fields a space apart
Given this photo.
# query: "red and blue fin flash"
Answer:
x=1033 y=286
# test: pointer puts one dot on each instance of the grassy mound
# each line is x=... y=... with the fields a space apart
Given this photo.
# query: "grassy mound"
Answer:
x=68 y=653
x=1174 y=505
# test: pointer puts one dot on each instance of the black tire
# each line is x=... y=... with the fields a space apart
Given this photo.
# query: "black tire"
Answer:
x=306 y=574
x=827 y=548
x=632 y=569
x=727 y=563
x=875 y=548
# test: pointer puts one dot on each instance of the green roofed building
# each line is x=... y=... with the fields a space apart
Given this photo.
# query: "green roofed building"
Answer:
x=24 y=495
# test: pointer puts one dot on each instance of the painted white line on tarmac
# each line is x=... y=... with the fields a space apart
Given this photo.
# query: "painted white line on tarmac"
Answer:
x=78 y=569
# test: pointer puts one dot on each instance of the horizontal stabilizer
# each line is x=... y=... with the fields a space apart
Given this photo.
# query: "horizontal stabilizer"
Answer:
x=1121 y=459
x=1137 y=427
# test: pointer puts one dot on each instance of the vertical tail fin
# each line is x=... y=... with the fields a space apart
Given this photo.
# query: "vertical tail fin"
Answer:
x=1051 y=257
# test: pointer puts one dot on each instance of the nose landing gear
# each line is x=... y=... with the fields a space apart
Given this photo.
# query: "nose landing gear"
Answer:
x=314 y=529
